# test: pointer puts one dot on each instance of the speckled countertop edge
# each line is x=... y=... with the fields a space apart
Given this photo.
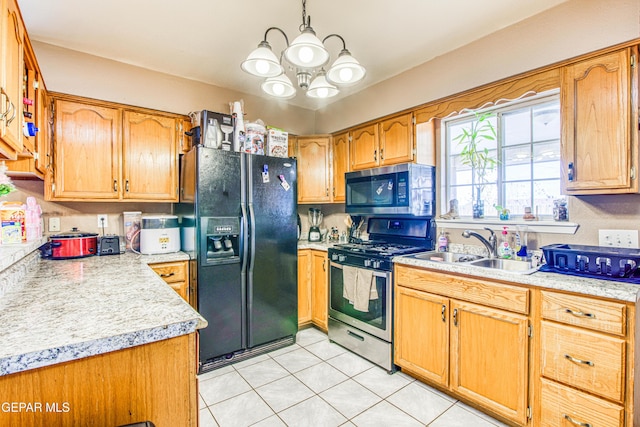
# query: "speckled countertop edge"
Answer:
x=318 y=246
x=70 y=309
x=582 y=285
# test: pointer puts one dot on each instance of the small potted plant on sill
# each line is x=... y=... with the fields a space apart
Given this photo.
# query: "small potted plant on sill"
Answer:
x=503 y=213
x=477 y=157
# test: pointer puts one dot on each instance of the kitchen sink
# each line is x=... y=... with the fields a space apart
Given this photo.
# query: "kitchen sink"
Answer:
x=511 y=265
x=448 y=257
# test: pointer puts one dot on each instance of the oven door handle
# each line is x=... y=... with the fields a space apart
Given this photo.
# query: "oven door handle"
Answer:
x=376 y=273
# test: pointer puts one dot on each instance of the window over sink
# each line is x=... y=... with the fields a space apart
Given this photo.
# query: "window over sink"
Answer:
x=526 y=149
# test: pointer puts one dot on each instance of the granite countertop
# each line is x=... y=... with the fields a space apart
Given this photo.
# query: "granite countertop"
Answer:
x=71 y=309
x=582 y=285
x=319 y=246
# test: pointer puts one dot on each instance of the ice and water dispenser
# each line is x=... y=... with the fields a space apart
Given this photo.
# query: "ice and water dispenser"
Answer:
x=220 y=240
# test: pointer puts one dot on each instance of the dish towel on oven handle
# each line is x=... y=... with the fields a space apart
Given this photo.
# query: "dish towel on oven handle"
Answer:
x=358 y=287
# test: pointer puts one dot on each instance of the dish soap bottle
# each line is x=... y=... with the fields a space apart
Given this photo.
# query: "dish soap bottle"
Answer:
x=443 y=242
x=504 y=250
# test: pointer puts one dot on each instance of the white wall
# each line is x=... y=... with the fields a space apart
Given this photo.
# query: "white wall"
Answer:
x=568 y=30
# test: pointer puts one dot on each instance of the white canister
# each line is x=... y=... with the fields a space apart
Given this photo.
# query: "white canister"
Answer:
x=188 y=233
x=159 y=234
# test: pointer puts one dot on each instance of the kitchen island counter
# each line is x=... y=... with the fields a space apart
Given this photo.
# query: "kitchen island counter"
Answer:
x=583 y=285
x=71 y=309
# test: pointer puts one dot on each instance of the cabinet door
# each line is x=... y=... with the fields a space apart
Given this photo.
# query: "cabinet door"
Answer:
x=304 y=286
x=489 y=358
x=12 y=78
x=313 y=169
x=598 y=125
x=150 y=162
x=87 y=151
x=320 y=289
x=422 y=334
x=396 y=140
x=364 y=147
x=340 y=165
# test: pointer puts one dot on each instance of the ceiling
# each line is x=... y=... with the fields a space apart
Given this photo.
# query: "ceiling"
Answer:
x=206 y=40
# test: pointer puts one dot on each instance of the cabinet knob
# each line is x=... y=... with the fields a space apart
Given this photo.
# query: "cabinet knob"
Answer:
x=167 y=274
x=455 y=317
x=578 y=361
x=578 y=313
x=375 y=155
x=444 y=311
x=126 y=186
x=115 y=185
x=382 y=154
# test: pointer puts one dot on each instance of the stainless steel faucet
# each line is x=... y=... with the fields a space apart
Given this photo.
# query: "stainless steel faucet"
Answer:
x=491 y=244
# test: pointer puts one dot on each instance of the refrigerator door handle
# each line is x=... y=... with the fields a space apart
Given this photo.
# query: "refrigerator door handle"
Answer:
x=244 y=235
x=252 y=233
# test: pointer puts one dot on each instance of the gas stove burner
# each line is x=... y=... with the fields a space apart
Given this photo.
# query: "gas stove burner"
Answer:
x=379 y=248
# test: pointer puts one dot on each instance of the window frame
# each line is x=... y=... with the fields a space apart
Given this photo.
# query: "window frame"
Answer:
x=500 y=107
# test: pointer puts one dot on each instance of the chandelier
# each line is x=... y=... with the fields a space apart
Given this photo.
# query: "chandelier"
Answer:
x=307 y=56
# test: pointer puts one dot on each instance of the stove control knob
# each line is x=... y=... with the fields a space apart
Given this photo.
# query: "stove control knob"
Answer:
x=367 y=263
x=376 y=264
x=334 y=257
x=342 y=258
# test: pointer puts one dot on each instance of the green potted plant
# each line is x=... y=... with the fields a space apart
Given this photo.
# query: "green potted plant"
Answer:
x=477 y=157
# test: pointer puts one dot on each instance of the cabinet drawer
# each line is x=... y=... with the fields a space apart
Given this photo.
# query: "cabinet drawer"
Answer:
x=560 y=405
x=171 y=272
x=512 y=298
x=605 y=316
x=588 y=360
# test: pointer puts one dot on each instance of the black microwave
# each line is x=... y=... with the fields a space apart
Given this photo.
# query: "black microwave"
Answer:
x=404 y=189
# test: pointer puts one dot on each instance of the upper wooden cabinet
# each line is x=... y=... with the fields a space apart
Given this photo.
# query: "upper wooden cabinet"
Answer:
x=364 y=147
x=599 y=101
x=387 y=142
x=11 y=80
x=313 y=153
x=150 y=159
x=105 y=151
x=340 y=162
x=396 y=140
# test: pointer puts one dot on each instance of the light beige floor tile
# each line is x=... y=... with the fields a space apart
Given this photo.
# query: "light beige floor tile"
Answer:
x=419 y=402
x=350 y=364
x=217 y=389
x=320 y=377
x=350 y=398
x=263 y=372
x=251 y=361
x=297 y=360
x=380 y=382
x=309 y=336
x=284 y=350
x=272 y=421
x=313 y=412
x=436 y=391
x=284 y=393
x=201 y=402
x=206 y=419
x=240 y=411
x=385 y=414
x=325 y=349
x=458 y=417
x=216 y=373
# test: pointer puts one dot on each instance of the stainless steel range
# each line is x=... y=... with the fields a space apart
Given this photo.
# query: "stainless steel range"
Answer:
x=361 y=285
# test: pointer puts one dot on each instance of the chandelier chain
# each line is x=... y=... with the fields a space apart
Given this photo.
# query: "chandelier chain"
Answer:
x=304 y=15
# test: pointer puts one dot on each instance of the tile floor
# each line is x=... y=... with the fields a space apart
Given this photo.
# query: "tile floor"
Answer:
x=316 y=383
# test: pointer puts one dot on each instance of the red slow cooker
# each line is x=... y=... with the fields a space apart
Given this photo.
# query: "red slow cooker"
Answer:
x=72 y=244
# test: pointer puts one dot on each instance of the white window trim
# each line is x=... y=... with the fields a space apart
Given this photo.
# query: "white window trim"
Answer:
x=550 y=227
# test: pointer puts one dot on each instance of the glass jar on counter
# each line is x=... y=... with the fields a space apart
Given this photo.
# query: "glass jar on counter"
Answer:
x=560 y=211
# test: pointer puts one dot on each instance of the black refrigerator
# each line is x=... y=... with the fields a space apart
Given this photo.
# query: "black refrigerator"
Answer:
x=245 y=207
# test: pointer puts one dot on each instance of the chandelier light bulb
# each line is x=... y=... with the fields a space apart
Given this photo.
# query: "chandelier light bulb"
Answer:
x=323 y=92
x=305 y=54
x=346 y=74
x=278 y=89
x=262 y=66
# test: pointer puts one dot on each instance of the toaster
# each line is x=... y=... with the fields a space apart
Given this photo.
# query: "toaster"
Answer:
x=109 y=245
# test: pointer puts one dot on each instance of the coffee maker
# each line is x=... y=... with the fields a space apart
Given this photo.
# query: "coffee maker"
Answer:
x=315 y=219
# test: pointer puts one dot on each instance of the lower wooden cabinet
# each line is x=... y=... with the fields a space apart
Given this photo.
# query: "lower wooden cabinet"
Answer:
x=474 y=350
x=313 y=288
x=176 y=274
x=527 y=355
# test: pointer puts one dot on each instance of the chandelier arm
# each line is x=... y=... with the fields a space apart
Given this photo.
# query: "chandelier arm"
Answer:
x=286 y=39
x=344 y=44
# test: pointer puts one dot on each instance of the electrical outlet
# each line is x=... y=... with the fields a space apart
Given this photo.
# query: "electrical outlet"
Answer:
x=618 y=238
x=54 y=224
x=103 y=221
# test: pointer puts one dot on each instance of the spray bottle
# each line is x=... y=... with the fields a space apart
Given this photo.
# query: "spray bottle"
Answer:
x=443 y=242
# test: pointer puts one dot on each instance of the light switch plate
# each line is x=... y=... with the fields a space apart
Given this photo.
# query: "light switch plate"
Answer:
x=618 y=238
